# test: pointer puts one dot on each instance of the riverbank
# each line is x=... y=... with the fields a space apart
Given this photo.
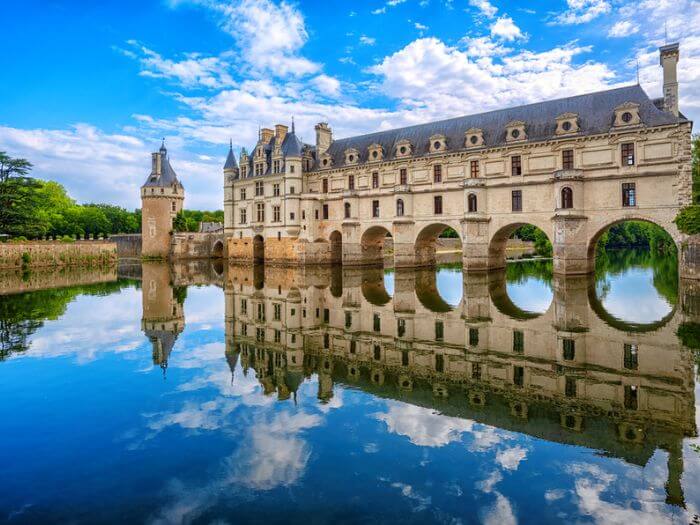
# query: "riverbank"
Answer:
x=38 y=254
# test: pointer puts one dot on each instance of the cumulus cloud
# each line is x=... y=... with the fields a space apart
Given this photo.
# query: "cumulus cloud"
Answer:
x=505 y=29
x=582 y=11
x=368 y=40
x=422 y=426
x=327 y=85
x=486 y=8
x=622 y=28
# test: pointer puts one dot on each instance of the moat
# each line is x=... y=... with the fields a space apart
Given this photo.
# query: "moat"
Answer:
x=207 y=393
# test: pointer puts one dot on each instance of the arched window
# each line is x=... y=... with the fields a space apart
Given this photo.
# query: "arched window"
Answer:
x=399 y=207
x=471 y=202
x=567 y=198
x=347 y=210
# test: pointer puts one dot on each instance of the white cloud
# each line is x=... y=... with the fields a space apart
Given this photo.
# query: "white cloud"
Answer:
x=327 y=85
x=420 y=26
x=510 y=458
x=486 y=8
x=422 y=426
x=622 y=28
x=582 y=11
x=505 y=29
x=501 y=513
x=379 y=11
x=367 y=40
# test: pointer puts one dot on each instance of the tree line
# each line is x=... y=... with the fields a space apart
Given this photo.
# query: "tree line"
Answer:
x=32 y=208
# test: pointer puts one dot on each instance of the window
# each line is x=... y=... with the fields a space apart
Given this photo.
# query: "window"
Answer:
x=516 y=167
x=567 y=198
x=518 y=341
x=259 y=190
x=316 y=214
x=437 y=204
x=404 y=358
x=291 y=215
x=244 y=306
x=325 y=211
x=351 y=182
x=326 y=315
x=291 y=168
x=261 y=212
x=439 y=330
x=439 y=363
x=291 y=188
x=347 y=210
x=474 y=169
x=348 y=319
x=261 y=312
x=399 y=207
x=242 y=194
x=277 y=311
x=517 y=200
x=172 y=206
x=401 y=327
x=567 y=159
x=473 y=336
x=631 y=361
x=375 y=180
x=375 y=208
x=353 y=347
x=377 y=352
x=569 y=346
x=326 y=343
x=242 y=171
x=627 y=150
x=260 y=335
x=403 y=176
x=518 y=375
x=276 y=214
x=324 y=184
x=377 y=323
x=276 y=190
x=437 y=173
x=278 y=336
x=243 y=216
x=631 y=397
x=276 y=166
x=476 y=370
x=629 y=194
x=570 y=387
x=258 y=169
x=471 y=202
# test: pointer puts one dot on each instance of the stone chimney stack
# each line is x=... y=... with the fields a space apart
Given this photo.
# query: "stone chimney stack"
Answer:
x=266 y=135
x=668 y=58
x=324 y=137
x=280 y=133
x=156 y=168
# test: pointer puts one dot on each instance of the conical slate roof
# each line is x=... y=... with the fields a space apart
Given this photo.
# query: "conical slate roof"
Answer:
x=167 y=177
x=231 y=163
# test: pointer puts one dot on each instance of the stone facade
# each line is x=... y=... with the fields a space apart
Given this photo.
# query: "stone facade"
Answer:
x=572 y=167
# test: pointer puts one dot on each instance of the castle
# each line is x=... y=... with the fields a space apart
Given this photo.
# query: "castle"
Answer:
x=572 y=167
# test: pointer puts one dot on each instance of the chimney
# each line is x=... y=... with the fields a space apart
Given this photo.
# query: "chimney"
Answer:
x=155 y=164
x=324 y=137
x=668 y=58
x=280 y=133
x=266 y=135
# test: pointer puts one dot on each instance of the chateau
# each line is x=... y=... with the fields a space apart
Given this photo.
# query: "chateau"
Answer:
x=572 y=167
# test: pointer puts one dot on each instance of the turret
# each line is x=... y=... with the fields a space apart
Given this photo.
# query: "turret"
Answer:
x=231 y=171
x=162 y=198
x=668 y=59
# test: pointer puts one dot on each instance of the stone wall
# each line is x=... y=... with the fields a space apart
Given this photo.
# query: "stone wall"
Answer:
x=190 y=245
x=19 y=281
x=690 y=258
x=45 y=254
x=128 y=245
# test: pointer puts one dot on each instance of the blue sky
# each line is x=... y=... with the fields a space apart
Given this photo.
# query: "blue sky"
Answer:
x=92 y=88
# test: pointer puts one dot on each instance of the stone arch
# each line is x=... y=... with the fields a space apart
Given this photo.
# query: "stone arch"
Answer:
x=600 y=229
x=426 y=242
x=428 y=293
x=497 y=244
x=498 y=292
x=217 y=251
x=336 y=240
x=372 y=244
x=373 y=287
x=258 y=249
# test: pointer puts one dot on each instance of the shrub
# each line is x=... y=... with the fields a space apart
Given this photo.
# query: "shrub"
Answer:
x=688 y=220
x=67 y=238
x=26 y=259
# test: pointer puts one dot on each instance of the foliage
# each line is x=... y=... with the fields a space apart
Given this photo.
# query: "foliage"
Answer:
x=13 y=167
x=188 y=220
x=20 y=203
x=449 y=233
x=696 y=168
x=689 y=335
x=520 y=271
x=688 y=220
x=530 y=233
x=636 y=234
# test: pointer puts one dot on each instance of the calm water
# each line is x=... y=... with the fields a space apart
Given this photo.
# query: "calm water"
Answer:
x=196 y=395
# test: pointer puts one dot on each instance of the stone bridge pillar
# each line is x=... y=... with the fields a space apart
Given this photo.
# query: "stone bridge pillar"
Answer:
x=475 y=243
x=352 y=247
x=571 y=303
x=476 y=302
x=404 y=299
x=404 y=248
x=570 y=244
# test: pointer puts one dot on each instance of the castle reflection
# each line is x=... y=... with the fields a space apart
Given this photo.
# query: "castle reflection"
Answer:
x=572 y=374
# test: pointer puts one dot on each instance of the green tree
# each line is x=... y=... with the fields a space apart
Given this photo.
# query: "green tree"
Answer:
x=20 y=208
x=13 y=167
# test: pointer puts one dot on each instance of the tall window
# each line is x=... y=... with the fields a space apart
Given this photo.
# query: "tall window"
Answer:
x=375 y=180
x=629 y=194
x=403 y=176
x=259 y=188
x=437 y=204
x=631 y=397
x=567 y=198
x=516 y=166
x=276 y=214
x=347 y=210
x=399 y=207
x=243 y=170
x=567 y=159
x=324 y=183
x=275 y=166
x=569 y=349
x=377 y=323
x=631 y=360
x=471 y=202
x=243 y=216
x=517 y=200
x=476 y=370
x=351 y=182
x=437 y=173
x=375 y=208
x=518 y=341
x=474 y=169
x=291 y=190
x=627 y=150
x=348 y=319
x=439 y=330
x=291 y=168
x=473 y=337
x=242 y=194
x=276 y=190
x=261 y=212
x=518 y=375
x=325 y=211
x=439 y=363
x=401 y=327
x=570 y=387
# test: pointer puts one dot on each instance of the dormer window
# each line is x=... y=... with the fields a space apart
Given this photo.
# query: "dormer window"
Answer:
x=515 y=131
x=627 y=114
x=567 y=123
x=473 y=138
x=438 y=143
x=376 y=153
x=403 y=148
x=351 y=156
x=326 y=161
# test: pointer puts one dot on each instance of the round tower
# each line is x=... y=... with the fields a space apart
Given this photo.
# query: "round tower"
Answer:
x=162 y=198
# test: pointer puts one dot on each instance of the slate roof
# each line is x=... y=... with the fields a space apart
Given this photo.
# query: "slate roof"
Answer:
x=167 y=178
x=292 y=146
x=595 y=115
x=231 y=163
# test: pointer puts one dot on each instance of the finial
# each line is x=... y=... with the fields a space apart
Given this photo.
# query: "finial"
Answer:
x=230 y=143
x=292 y=123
